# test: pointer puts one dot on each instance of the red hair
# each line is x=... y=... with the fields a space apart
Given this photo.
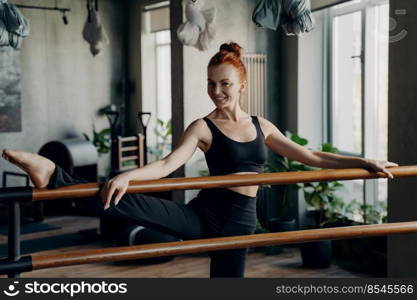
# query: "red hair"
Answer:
x=230 y=53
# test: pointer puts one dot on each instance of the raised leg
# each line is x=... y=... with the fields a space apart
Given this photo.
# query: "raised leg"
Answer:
x=39 y=168
x=141 y=209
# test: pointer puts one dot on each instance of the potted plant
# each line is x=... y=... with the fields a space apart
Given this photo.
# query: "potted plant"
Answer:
x=163 y=132
x=324 y=209
x=284 y=193
x=102 y=141
x=367 y=254
x=278 y=197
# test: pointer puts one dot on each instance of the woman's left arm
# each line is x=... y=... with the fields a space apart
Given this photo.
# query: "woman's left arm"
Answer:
x=281 y=145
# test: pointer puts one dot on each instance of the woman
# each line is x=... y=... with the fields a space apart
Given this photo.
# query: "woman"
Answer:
x=233 y=142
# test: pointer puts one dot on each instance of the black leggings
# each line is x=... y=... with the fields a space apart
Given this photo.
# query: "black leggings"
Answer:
x=213 y=213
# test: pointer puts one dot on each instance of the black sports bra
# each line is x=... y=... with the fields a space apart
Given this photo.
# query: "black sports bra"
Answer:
x=227 y=156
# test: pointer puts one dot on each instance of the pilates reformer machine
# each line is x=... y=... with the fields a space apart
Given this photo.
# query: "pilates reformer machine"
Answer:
x=15 y=263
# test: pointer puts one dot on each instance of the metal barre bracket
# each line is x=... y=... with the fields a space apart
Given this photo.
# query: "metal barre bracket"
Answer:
x=8 y=266
x=21 y=194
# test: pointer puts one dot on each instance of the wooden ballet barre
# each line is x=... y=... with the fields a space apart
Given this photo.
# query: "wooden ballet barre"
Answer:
x=39 y=261
x=208 y=182
x=15 y=264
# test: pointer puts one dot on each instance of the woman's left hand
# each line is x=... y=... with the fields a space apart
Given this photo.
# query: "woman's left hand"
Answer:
x=115 y=187
x=381 y=166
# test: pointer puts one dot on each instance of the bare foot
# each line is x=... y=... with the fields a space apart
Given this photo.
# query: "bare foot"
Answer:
x=38 y=168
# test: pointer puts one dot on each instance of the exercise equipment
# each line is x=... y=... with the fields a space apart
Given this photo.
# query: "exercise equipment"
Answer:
x=15 y=264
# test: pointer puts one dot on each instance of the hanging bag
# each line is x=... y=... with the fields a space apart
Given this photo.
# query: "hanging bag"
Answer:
x=13 y=25
x=294 y=15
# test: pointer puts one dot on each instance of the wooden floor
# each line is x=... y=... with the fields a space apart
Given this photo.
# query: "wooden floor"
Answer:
x=259 y=265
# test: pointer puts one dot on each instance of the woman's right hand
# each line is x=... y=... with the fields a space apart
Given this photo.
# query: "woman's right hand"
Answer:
x=116 y=187
x=381 y=166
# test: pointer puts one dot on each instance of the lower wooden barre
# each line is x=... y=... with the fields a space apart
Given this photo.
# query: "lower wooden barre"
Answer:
x=208 y=182
x=212 y=244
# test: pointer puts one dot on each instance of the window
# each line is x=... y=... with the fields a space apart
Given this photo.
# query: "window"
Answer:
x=343 y=87
x=163 y=74
x=358 y=88
x=346 y=98
x=156 y=77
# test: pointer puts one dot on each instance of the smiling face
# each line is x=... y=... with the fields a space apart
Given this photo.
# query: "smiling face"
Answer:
x=224 y=85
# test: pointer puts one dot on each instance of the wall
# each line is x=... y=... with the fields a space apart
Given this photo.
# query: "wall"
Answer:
x=63 y=85
x=310 y=94
x=233 y=23
x=402 y=142
x=311 y=90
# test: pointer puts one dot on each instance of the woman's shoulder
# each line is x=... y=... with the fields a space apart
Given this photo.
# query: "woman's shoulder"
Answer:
x=198 y=126
x=197 y=123
x=263 y=121
x=267 y=126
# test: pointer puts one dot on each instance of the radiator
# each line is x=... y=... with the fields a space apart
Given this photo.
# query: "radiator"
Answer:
x=255 y=98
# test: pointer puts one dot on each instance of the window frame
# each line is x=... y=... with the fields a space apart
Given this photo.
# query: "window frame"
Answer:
x=370 y=187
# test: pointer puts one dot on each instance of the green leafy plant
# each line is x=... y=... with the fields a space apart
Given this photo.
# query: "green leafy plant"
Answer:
x=101 y=140
x=374 y=214
x=128 y=163
x=331 y=209
x=163 y=132
x=277 y=163
x=321 y=196
x=366 y=213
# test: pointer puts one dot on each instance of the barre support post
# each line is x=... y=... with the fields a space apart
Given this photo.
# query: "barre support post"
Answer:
x=24 y=264
x=13 y=197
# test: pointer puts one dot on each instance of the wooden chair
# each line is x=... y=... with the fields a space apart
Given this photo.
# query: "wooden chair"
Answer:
x=130 y=152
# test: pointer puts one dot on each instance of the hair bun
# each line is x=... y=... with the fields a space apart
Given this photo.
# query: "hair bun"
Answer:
x=233 y=48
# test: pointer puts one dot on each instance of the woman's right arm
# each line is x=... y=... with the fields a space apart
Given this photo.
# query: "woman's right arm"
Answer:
x=179 y=156
x=117 y=186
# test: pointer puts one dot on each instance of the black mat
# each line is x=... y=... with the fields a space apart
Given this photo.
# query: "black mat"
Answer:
x=26 y=228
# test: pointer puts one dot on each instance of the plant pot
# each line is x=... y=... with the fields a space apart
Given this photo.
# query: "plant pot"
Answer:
x=103 y=168
x=366 y=255
x=316 y=254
